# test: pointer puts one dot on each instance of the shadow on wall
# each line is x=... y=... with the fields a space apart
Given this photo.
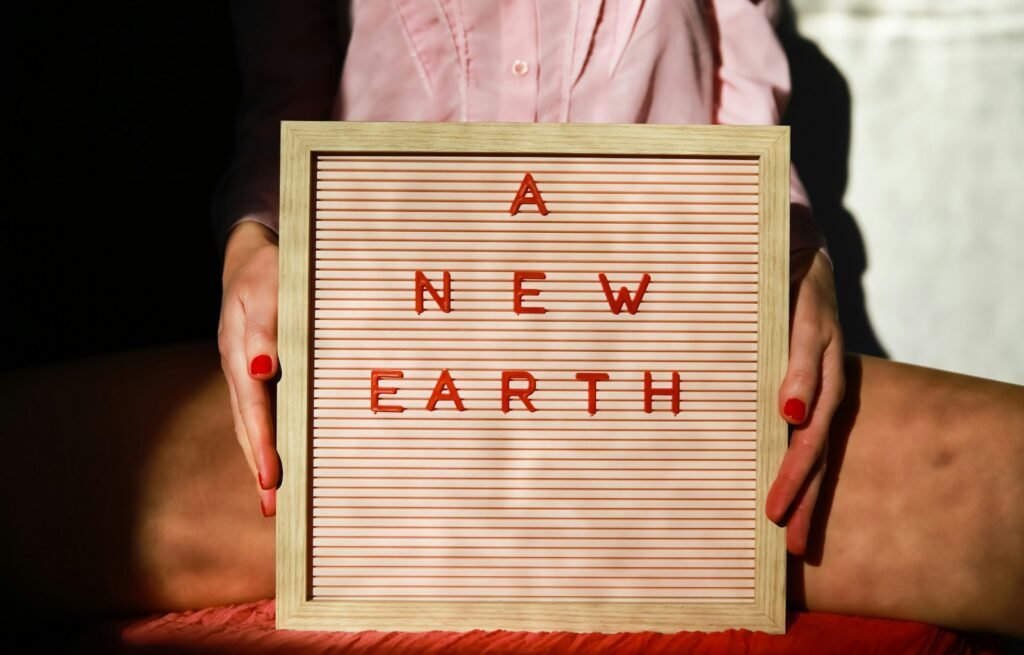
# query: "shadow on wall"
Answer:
x=819 y=113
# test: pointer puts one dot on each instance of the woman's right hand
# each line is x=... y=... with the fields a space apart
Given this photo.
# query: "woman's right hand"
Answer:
x=247 y=339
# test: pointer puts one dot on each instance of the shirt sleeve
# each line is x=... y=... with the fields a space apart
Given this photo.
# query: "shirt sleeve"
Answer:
x=289 y=57
x=753 y=88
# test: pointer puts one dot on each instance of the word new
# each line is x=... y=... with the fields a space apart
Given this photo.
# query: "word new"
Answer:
x=444 y=298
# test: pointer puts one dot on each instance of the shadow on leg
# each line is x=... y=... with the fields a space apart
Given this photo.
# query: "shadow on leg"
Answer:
x=129 y=491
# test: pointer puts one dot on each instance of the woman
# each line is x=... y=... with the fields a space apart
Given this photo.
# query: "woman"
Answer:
x=916 y=502
x=670 y=61
x=621 y=62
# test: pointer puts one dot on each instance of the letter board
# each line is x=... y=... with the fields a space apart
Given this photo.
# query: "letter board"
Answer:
x=529 y=376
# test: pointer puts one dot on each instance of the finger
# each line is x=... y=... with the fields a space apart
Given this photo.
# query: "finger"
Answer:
x=808 y=442
x=796 y=404
x=240 y=434
x=805 y=449
x=254 y=407
x=800 y=385
x=268 y=502
x=796 y=395
x=229 y=334
x=252 y=358
x=261 y=335
x=798 y=527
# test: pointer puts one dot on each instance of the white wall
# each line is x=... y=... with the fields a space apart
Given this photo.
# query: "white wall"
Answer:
x=936 y=172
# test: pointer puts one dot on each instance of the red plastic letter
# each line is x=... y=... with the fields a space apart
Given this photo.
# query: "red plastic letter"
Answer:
x=523 y=394
x=445 y=382
x=376 y=391
x=632 y=304
x=592 y=380
x=518 y=291
x=528 y=186
x=650 y=391
x=422 y=283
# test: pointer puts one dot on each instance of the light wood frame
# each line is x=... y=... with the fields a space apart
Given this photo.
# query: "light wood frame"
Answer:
x=301 y=141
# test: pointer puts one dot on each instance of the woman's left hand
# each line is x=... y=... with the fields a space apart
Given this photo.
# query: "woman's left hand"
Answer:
x=809 y=396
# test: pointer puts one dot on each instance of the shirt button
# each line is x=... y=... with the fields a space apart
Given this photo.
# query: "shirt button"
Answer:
x=520 y=67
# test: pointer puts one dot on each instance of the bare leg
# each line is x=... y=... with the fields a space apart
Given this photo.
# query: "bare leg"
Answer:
x=921 y=518
x=126 y=489
x=922 y=513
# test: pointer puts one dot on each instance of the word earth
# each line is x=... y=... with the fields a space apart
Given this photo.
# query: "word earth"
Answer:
x=526 y=384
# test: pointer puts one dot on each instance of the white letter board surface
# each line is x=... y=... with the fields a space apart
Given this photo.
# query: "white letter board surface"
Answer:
x=529 y=376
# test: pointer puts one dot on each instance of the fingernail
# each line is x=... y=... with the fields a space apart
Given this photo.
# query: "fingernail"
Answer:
x=259 y=476
x=261 y=365
x=263 y=508
x=795 y=410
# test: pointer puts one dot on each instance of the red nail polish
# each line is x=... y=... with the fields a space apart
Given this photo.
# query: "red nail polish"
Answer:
x=261 y=365
x=263 y=509
x=259 y=476
x=795 y=410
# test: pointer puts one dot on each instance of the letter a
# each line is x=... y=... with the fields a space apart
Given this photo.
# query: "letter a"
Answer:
x=445 y=390
x=528 y=185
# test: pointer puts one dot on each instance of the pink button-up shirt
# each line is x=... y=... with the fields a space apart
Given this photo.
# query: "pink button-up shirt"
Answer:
x=597 y=61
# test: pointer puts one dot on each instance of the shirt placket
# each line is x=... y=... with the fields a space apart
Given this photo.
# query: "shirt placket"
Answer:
x=519 y=67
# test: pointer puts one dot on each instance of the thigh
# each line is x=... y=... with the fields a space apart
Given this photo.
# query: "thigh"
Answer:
x=126 y=487
x=922 y=514
x=128 y=492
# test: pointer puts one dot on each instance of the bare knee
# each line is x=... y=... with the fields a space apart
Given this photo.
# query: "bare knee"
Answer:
x=148 y=502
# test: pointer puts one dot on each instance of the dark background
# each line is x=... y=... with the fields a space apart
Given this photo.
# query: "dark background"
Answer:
x=122 y=126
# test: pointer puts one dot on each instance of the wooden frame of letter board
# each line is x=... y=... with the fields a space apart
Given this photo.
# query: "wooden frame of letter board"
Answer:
x=302 y=142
